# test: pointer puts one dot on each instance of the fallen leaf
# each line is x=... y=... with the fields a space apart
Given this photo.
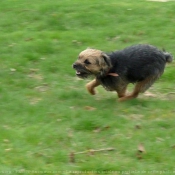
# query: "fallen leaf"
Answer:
x=32 y=70
x=141 y=148
x=137 y=127
x=136 y=116
x=106 y=127
x=42 y=88
x=89 y=108
x=12 y=69
x=140 y=151
x=97 y=130
x=72 y=157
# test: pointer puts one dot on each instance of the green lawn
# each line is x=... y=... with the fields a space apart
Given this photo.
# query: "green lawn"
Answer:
x=47 y=116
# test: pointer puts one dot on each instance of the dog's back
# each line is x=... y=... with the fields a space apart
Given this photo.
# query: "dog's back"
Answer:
x=139 y=62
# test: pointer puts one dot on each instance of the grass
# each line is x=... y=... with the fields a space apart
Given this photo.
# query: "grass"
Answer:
x=46 y=113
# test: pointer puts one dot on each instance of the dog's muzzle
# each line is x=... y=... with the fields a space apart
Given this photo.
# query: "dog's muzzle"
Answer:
x=80 y=71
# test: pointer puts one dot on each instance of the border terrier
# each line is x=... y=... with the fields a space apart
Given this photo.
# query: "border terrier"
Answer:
x=140 y=64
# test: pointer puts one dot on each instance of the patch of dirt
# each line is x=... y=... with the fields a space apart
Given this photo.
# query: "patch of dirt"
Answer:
x=158 y=95
x=34 y=101
x=33 y=73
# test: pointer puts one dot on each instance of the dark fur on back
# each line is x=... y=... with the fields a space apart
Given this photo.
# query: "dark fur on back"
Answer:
x=134 y=64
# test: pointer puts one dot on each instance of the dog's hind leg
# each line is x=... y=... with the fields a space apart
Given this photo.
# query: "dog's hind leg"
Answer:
x=91 y=86
x=140 y=87
x=121 y=91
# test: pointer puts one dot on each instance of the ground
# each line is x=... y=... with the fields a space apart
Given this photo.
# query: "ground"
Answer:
x=47 y=116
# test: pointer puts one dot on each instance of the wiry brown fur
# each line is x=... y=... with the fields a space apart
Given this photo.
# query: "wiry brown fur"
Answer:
x=97 y=59
x=140 y=64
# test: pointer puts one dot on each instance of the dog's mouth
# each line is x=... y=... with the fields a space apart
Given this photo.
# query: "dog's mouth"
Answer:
x=82 y=74
x=81 y=71
x=78 y=73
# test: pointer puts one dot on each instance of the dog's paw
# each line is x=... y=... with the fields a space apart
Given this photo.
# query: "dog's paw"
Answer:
x=127 y=97
x=90 y=90
x=121 y=99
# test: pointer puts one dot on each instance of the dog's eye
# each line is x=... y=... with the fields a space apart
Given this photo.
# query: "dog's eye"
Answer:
x=87 y=61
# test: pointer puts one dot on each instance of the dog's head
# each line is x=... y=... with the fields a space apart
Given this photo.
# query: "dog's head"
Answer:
x=92 y=62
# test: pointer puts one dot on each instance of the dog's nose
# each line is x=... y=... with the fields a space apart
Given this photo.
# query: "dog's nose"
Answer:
x=74 y=65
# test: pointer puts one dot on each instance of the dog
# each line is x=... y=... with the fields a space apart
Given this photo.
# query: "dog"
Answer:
x=140 y=64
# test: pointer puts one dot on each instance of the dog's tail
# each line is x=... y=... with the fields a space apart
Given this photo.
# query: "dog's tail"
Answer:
x=168 y=56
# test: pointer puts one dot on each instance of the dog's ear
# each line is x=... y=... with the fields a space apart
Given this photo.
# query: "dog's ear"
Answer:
x=105 y=64
x=106 y=59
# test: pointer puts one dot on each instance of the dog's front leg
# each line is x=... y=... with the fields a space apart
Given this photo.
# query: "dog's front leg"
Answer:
x=91 y=86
